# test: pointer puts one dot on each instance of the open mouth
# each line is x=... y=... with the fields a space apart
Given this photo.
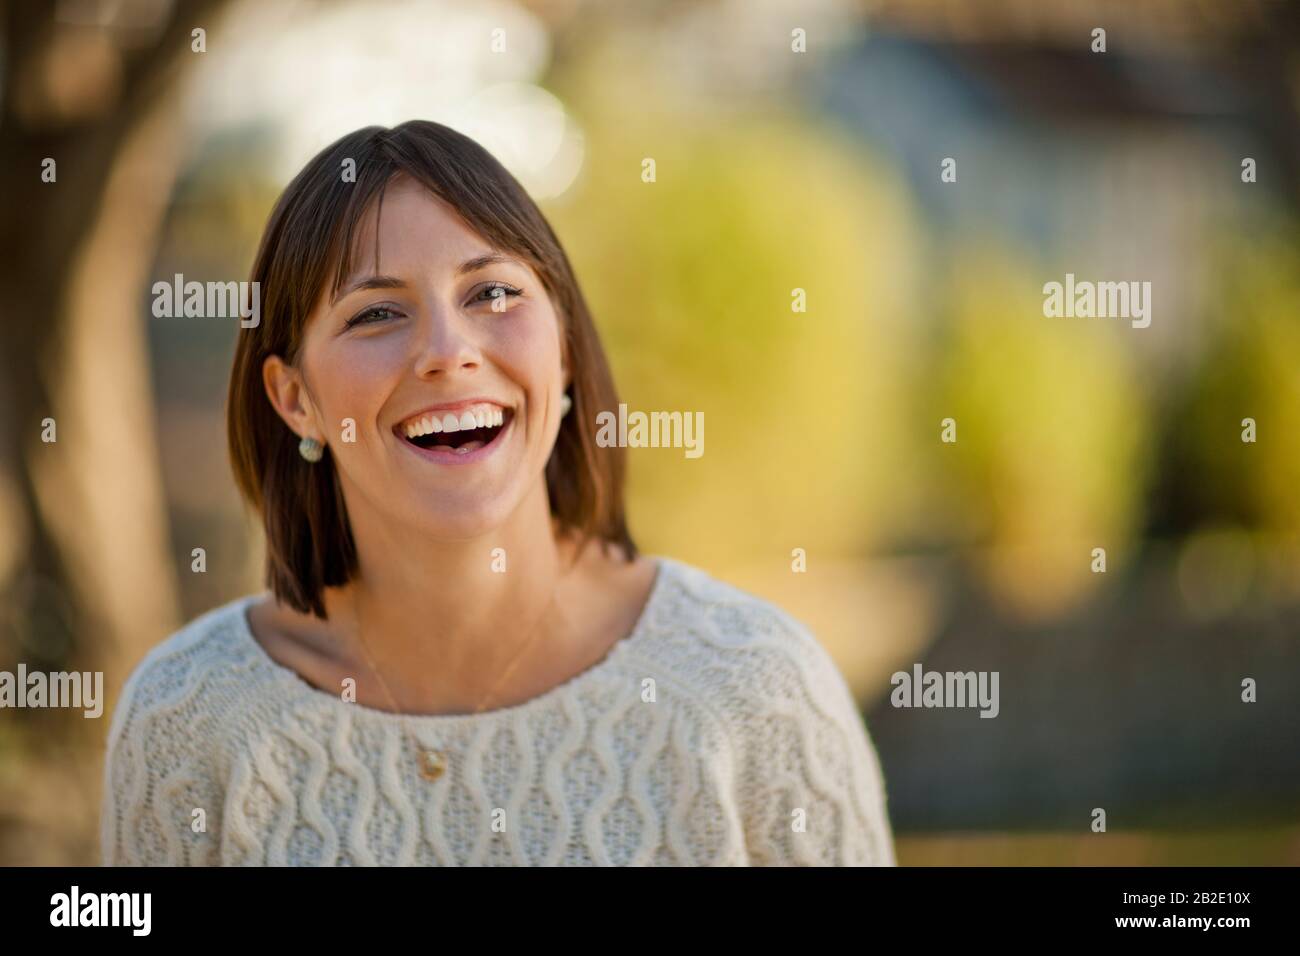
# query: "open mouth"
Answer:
x=459 y=432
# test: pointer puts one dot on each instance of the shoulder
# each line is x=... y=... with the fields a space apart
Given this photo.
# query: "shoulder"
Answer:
x=743 y=648
x=803 y=754
x=204 y=671
x=168 y=740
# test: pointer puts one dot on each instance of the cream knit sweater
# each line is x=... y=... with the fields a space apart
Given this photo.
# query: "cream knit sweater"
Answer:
x=717 y=732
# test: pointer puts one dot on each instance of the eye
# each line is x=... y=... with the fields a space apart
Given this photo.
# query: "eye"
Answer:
x=376 y=313
x=496 y=290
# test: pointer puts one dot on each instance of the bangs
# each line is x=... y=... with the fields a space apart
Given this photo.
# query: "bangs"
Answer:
x=343 y=249
x=344 y=245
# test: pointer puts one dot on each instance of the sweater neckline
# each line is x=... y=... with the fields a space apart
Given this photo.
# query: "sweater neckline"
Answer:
x=307 y=691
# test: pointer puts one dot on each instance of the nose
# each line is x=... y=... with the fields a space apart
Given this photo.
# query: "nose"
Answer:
x=445 y=343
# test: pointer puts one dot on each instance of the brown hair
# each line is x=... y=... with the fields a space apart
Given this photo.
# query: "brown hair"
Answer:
x=311 y=229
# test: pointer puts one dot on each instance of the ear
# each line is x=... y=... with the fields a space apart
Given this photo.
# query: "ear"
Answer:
x=288 y=396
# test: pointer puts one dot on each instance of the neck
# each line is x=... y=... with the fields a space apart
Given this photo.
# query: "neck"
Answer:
x=441 y=620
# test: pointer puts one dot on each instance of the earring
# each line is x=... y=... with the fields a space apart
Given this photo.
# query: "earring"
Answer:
x=566 y=403
x=311 y=449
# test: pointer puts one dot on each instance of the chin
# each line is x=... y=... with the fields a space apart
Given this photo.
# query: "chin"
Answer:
x=462 y=524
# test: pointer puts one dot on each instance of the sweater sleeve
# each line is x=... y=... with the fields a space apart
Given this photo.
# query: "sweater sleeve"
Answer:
x=811 y=788
x=156 y=775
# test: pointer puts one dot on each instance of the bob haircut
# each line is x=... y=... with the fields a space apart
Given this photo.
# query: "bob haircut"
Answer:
x=309 y=240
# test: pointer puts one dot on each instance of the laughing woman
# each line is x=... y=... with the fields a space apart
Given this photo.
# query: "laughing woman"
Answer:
x=461 y=657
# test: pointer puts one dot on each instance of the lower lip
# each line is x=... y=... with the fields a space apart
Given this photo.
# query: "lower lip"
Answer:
x=469 y=458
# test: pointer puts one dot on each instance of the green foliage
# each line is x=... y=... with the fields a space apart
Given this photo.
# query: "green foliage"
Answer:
x=1251 y=370
x=1054 y=430
x=690 y=279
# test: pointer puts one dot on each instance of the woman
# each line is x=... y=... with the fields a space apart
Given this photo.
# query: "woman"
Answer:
x=462 y=658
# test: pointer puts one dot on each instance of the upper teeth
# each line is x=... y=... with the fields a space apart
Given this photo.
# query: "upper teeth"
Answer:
x=475 y=416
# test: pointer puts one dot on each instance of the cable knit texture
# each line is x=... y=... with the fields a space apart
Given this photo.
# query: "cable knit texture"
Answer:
x=718 y=732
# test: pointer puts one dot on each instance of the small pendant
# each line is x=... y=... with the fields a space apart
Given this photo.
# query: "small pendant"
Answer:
x=432 y=764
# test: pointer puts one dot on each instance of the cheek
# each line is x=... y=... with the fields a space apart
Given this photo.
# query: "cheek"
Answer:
x=529 y=350
x=351 y=384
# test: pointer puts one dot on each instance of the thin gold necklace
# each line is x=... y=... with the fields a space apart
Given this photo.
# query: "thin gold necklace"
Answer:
x=432 y=762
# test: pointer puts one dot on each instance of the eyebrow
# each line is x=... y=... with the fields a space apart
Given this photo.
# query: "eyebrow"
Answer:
x=487 y=259
x=370 y=282
x=393 y=282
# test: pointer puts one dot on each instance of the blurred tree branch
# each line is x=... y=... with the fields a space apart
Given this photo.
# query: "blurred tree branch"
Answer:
x=44 y=228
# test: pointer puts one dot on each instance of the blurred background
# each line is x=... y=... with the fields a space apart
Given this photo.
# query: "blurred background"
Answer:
x=785 y=160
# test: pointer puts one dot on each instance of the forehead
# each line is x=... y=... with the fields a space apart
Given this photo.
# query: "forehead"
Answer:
x=409 y=224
